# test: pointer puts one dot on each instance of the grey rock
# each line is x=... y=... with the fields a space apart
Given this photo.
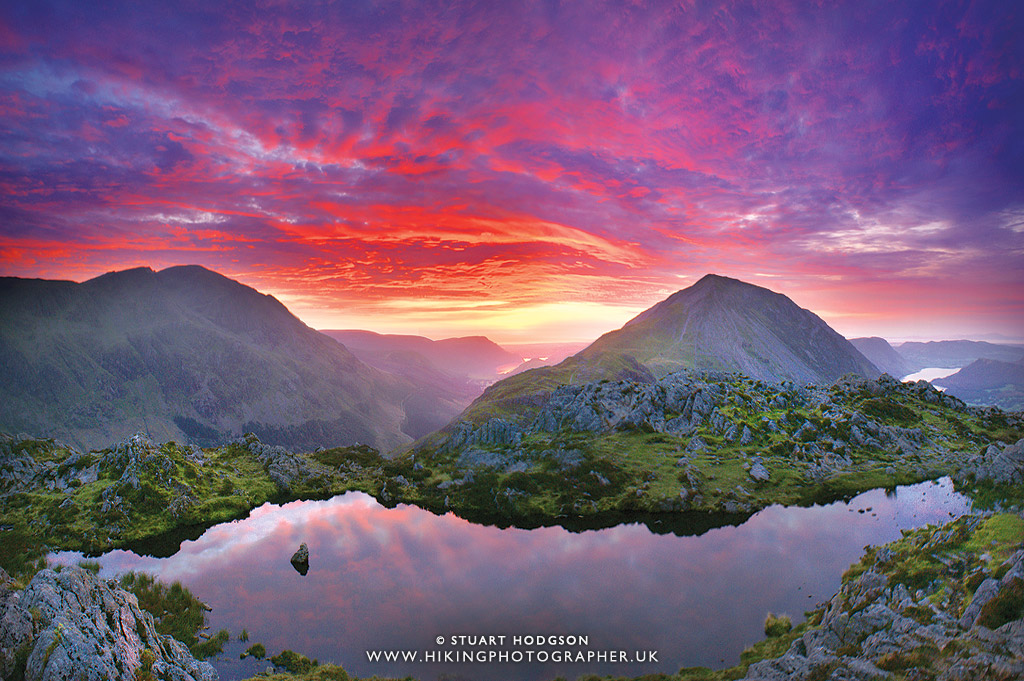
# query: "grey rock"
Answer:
x=984 y=593
x=92 y=630
x=16 y=627
x=696 y=444
x=758 y=472
x=300 y=559
x=282 y=466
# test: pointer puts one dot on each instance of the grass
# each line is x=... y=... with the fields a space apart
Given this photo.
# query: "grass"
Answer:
x=777 y=625
x=176 y=610
x=295 y=663
x=211 y=646
x=1006 y=606
x=256 y=651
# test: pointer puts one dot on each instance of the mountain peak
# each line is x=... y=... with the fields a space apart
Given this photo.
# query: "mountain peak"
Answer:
x=722 y=323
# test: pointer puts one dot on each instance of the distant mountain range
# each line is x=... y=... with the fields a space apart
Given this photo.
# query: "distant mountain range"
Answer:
x=717 y=324
x=182 y=354
x=187 y=354
x=988 y=381
x=953 y=354
x=992 y=374
x=884 y=356
x=446 y=375
x=472 y=357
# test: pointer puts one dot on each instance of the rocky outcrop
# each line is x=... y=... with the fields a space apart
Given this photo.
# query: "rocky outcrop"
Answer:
x=300 y=559
x=28 y=465
x=285 y=468
x=1002 y=464
x=855 y=414
x=71 y=625
x=875 y=625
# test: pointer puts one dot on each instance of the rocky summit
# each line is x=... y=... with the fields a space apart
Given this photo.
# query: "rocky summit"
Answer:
x=73 y=626
x=718 y=324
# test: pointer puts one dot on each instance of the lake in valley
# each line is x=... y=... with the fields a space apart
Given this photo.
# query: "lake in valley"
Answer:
x=397 y=579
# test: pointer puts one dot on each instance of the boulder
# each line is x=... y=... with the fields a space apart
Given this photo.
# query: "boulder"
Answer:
x=86 y=629
x=759 y=472
x=300 y=559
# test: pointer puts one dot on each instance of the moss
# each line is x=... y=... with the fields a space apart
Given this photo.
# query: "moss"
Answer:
x=257 y=651
x=293 y=662
x=918 y=658
x=1006 y=606
x=920 y=613
x=705 y=674
x=145 y=670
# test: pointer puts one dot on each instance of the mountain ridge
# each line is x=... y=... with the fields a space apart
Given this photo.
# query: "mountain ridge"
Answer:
x=718 y=324
x=184 y=353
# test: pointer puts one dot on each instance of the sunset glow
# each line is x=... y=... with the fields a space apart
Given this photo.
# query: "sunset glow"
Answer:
x=526 y=171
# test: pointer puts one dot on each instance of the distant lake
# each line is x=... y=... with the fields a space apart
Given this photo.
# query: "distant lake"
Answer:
x=396 y=579
x=930 y=374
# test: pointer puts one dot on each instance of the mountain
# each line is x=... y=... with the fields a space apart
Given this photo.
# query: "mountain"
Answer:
x=473 y=356
x=988 y=382
x=954 y=354
x=884 y=356
x=184 y=354
x=445 y=375
x=717 y=324
x=725 y=324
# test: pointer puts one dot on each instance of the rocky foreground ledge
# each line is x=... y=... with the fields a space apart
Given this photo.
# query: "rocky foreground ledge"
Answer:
x=940 y=604
x=73 y=626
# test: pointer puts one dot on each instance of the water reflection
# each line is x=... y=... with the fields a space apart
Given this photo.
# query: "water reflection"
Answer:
x=398 y=578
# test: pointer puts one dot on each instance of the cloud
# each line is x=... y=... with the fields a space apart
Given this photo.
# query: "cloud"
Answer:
x=528 y=152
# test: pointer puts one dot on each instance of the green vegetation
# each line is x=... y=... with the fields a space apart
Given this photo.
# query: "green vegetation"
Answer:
x=145 y=670
x=256 y=651
x=163 y=494
x=324 y=672
x=176 y=611
x=211 y=646
x=817 y=446
x=1005 y=607
x=777 y=625
x=293 y=662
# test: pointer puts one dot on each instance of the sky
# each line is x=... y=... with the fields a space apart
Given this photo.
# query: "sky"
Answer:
x=529 y=171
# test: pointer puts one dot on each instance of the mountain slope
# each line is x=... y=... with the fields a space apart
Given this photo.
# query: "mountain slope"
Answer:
x=183 y=354
x=884 y=356
x=954 y=354
x=717 y=324
x=988 y=382
x=728 y=325
x=475 y=357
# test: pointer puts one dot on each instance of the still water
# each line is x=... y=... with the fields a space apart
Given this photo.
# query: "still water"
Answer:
x=398 y=579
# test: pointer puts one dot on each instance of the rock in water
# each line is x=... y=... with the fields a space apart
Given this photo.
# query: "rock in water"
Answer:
x=300 y=559
x=83 y=627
